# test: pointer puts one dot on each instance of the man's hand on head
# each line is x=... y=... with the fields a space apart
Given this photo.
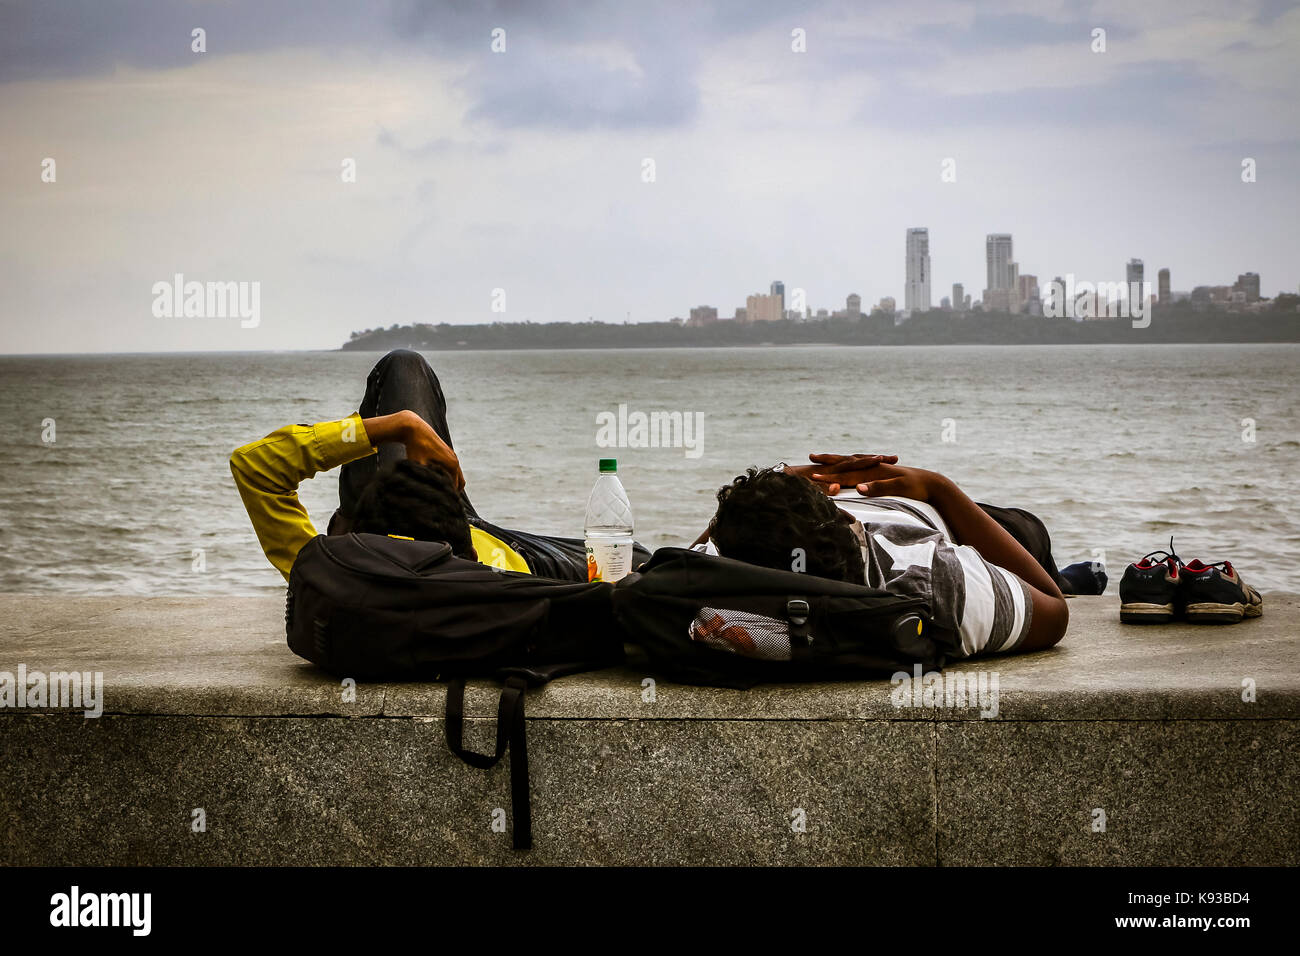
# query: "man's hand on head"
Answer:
x=426 y=446
x=874 y=476
x=833 y=473
x=417 y=436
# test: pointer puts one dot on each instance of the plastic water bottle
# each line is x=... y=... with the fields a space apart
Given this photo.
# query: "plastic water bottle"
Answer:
x=608 y=528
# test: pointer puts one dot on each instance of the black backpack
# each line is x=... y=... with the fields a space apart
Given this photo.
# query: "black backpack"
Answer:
x=704 y=619
x=376 y=608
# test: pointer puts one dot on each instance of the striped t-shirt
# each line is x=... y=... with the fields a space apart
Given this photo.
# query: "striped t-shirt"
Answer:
x=909 y=551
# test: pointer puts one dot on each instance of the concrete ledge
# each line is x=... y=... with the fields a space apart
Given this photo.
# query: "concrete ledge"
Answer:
x=206 y=707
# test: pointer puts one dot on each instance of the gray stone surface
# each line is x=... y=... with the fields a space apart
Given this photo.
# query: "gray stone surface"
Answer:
x=206 y=707
x=228 y=656
x=1174 y=793
x=122 y=789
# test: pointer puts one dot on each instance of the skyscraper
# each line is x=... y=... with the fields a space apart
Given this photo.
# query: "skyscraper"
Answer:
x=916 y=294
x=1133 y=275
x=778 y=289
x=998 y=293
x=958 y=297
x=1162 y=277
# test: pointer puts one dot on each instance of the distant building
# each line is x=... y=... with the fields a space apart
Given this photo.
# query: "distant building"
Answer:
x=1162 y=280
x=1000 y=294
x=887 y=304
x=777 y=289
x=1248 y=282
x=998 y=300
x=1134 y=273
x=852 y=308
x=916 y=294
x=1200 y=298
x=960 y=301
x=763 y=308
x=997 y=253
x=945 y=303
x=741 y=314
x=1030 y=300
x=703 y=315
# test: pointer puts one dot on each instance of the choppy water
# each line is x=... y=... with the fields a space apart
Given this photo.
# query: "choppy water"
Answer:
x=1115 y=447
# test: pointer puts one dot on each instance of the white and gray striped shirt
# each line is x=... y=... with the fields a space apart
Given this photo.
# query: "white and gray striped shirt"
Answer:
x=986 y=609
x=910 y=551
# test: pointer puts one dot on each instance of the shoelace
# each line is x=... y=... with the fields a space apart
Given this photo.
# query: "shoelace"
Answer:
x=1225 y=566
x=1165 y=555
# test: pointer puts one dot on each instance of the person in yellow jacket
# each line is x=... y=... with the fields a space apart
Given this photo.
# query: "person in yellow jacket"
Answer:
x=400 y=476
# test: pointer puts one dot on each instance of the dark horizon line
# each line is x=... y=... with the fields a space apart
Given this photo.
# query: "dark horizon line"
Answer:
x=609 y=348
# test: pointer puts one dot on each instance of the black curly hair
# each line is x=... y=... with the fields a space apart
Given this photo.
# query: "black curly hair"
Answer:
x=764 y=515
x=415 y=500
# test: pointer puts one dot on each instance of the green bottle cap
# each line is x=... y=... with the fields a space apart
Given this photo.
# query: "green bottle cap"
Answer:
x=608 y=464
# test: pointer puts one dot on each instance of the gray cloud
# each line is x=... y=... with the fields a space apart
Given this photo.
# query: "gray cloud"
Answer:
x=521 y=171
x=1154 y=96
x=578 y=65
x=40 y=40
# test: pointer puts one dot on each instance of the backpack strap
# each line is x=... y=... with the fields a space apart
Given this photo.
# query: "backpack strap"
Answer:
x=797 y=611
x=512 y=736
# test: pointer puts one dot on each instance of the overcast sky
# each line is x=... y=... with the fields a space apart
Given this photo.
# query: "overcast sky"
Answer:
x=524 y=170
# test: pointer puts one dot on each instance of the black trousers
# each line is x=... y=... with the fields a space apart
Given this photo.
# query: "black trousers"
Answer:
x=1028 y=529
x=402 y=379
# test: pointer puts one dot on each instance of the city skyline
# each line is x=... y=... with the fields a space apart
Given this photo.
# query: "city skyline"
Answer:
x=1007 y=288
x=404 y=162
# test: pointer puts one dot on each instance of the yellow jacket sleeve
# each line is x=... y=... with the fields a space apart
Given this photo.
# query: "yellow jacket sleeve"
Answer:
x=268 y=471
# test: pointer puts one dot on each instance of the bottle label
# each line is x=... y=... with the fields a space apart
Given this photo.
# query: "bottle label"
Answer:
x=608 y=560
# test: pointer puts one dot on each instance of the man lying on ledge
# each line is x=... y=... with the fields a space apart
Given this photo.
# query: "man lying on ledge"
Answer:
x=986 y=572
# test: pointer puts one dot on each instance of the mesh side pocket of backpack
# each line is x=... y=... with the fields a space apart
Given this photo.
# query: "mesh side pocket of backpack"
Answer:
x=740 y=632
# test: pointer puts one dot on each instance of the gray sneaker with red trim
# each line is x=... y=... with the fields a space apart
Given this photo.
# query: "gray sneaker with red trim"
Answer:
x=1150 y=592
x=1216 y=594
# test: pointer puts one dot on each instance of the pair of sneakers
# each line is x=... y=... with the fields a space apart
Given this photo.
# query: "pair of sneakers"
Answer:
x=1160 y=588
